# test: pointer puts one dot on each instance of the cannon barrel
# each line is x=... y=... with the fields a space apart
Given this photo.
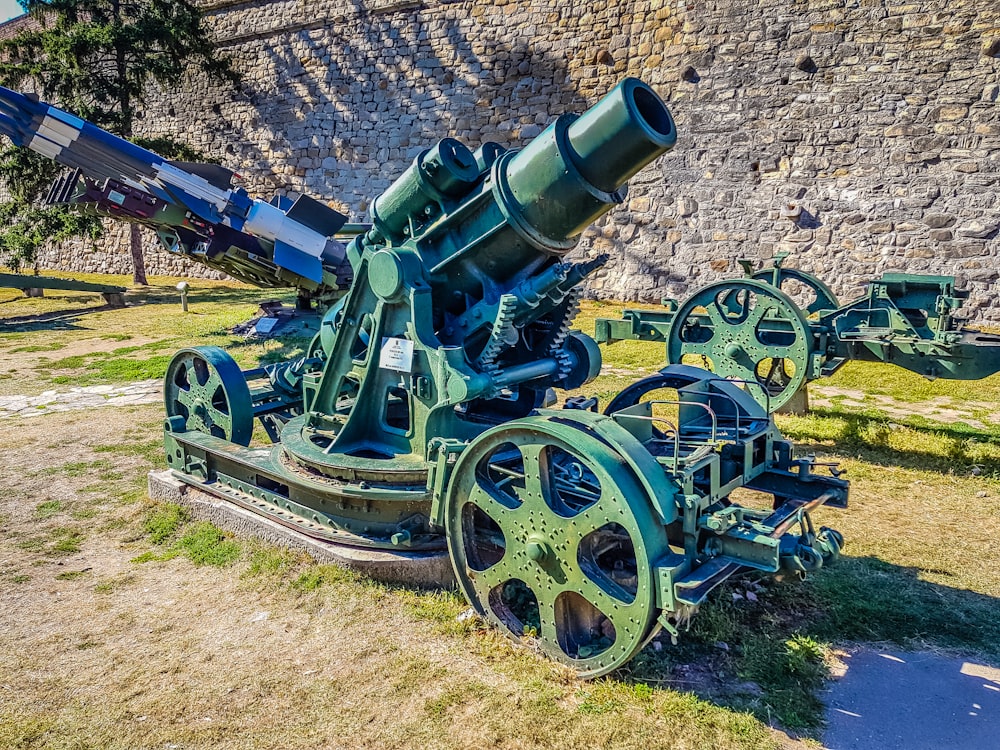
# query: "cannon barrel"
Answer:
x=510 y=205
x=571 y=173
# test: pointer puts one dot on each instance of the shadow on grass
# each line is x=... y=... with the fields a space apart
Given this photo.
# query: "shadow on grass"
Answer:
x=767 y=656
x=945 y=448
x=67 y=320
x=57 y=320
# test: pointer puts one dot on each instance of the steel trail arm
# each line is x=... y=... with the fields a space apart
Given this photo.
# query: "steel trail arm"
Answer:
x=903 y=319
x=908 y=320
x=194 y=208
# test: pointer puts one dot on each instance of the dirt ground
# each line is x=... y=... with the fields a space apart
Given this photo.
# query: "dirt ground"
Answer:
x=101 y=651
x=105 y=652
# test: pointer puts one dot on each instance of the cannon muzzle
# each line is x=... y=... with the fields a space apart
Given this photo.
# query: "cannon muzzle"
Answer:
x=576 y=169
x=515 y=204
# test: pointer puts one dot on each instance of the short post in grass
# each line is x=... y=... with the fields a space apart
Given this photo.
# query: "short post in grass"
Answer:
x=183 y=287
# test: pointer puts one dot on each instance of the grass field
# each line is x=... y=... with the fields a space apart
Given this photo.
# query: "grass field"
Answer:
x=129 y=625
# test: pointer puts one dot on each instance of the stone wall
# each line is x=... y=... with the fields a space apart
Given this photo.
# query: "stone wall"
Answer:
x=863 y=136
x=111 y=254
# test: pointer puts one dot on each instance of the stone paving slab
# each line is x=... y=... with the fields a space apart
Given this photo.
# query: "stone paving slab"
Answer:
x=83 y=397
x=428 y=569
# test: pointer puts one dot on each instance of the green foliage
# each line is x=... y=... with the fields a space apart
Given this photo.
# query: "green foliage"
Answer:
x=26 y=225
x=168 y=147
x=609 y=696
x=201 y=542
x=96 y=57
x=310 y=580
x=791 y=672
x=270 y=561
x=70 y=575
x=48 y=508
x=67 y=541
x=204 y=544
x=803 y=654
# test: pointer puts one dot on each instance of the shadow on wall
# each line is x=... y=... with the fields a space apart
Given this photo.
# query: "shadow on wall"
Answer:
x=430 y=83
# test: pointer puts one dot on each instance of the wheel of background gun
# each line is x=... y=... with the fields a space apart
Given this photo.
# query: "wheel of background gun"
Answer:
x=206 y=387
x=790 y=281
x=747 y=331
x=553 y=538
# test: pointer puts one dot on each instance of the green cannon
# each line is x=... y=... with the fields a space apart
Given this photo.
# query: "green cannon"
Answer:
x=752 y=330
x=34 y=286
x=423 y=418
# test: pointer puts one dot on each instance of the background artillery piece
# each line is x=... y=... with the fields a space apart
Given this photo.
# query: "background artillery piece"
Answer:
x=114 y=296
x=752 y=331
x=194 y=208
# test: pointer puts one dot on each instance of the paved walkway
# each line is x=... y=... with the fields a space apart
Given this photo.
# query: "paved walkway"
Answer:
x=88 y=397
x=897 y=700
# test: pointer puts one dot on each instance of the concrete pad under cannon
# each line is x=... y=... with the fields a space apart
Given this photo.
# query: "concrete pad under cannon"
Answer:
x=897 y=700
x=432 y=569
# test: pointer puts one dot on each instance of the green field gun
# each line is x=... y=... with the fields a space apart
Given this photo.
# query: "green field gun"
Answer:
x=34 y=286
x=422 y=421
x=752 y=330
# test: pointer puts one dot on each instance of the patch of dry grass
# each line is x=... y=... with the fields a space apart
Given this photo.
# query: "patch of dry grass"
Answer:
x=272 y=651
x=72 y=338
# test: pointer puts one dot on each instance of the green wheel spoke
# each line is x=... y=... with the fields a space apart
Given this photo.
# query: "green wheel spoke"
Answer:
x=716 y=315
x=597 y=515
x=487 y=580
x=756 y=351
x=195 y=403
x=773 y=328
x=755 y=315
x=548 y=631
x=213 y=383
x=536 y=476
x=185 y=397
x=613 y=608
x=708 y=349
x=218 y=418
x=552 y=572
x=503 y=515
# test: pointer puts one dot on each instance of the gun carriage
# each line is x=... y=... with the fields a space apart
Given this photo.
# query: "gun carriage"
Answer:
x=752 y=331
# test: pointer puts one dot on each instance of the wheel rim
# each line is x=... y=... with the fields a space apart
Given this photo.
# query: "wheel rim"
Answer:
x=553 y=537
x=824 y=298
x=206 y=387
x=748 y=331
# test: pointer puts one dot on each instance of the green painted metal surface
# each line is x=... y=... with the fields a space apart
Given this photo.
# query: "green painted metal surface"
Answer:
x=749 y=330
x=422 y=416
x=206 y=389
x=113 y=295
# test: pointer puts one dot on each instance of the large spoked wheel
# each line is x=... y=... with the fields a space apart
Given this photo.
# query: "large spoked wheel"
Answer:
x=747 y=331
x=206 y=387
x=553 y=539
x=815 y=295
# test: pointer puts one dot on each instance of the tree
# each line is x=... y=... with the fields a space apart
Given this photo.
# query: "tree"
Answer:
x=95 y=58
